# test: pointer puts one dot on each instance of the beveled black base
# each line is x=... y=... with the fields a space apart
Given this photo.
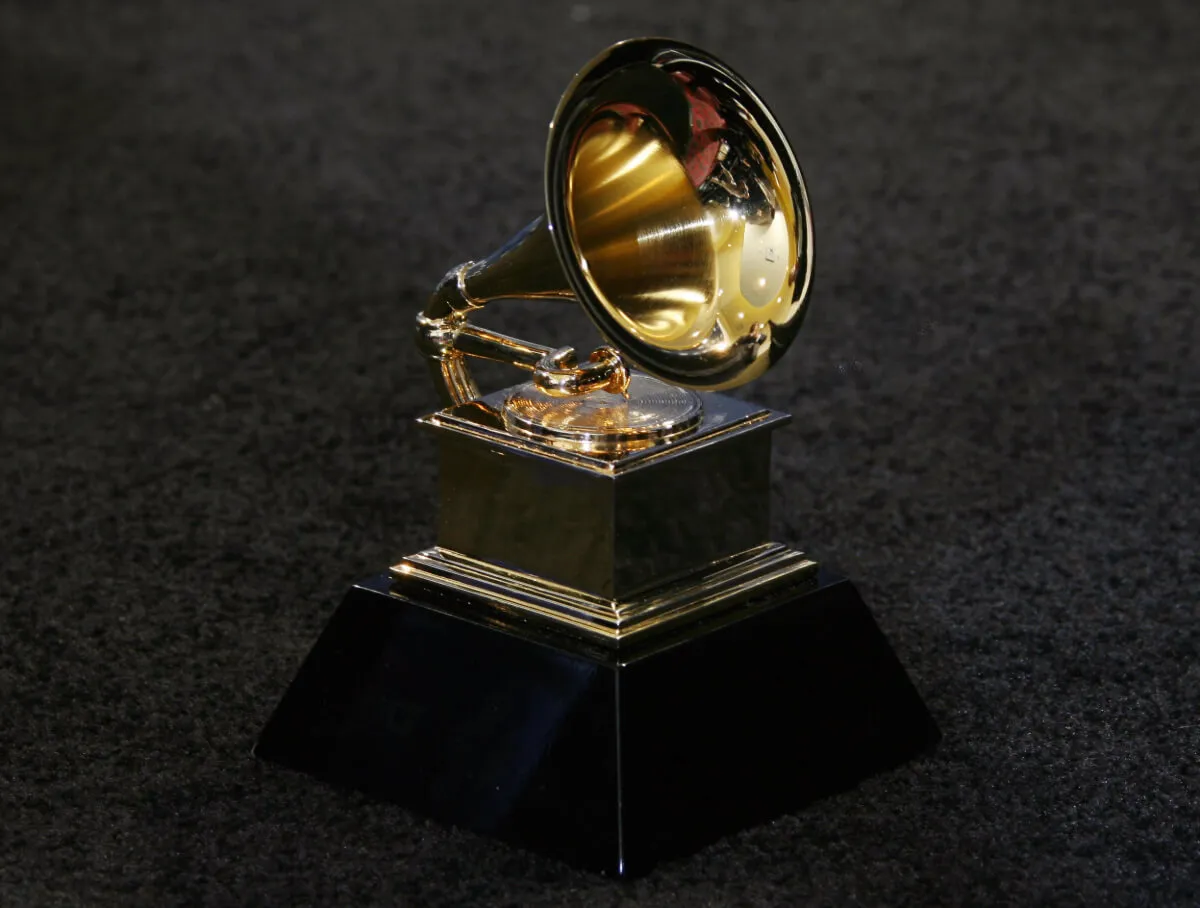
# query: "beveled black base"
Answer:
x=609 y=761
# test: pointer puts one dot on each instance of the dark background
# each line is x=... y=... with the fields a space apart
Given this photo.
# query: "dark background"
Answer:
x=217 y=220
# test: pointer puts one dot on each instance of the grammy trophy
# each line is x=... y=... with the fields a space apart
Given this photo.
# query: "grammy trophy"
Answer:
x=604 y=656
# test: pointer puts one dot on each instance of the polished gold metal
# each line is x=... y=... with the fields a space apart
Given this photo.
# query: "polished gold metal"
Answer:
x=650 y=412
x=595 y=499
x=675 y=214
x=608 y=523
x=721 y=586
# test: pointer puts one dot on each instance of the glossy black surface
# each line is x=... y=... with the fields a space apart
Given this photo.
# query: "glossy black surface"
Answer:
x=609 y=762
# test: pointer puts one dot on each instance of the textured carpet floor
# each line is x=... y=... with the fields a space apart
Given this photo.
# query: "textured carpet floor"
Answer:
x=217 y=220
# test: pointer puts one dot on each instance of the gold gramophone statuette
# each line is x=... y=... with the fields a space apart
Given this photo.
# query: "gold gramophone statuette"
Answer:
x=604 y=657
x=676 y=215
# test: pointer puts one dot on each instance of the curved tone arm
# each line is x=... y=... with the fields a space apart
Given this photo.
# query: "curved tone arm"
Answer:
x=527 y=267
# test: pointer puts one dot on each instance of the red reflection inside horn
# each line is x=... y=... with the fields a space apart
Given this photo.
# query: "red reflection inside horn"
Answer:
x=706 y=124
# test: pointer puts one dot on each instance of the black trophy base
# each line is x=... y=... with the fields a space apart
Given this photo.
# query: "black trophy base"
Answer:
x=608 y=761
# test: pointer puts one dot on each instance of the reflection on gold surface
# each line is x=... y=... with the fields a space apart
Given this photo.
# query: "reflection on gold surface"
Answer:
x=677 y=272
x=651 y=412
x=644 y=240
x=757 y=257
x=722 y=586
x=675 y=214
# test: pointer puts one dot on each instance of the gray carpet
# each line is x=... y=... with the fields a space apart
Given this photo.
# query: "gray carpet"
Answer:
x=217 y=220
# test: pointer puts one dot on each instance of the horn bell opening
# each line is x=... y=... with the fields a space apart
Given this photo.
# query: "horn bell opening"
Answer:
x=679 y=214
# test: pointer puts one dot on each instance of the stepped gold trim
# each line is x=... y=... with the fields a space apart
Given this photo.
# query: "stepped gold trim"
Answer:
x=720 y=586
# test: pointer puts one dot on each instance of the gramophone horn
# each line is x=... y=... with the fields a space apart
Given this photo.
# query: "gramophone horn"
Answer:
x=675 y=214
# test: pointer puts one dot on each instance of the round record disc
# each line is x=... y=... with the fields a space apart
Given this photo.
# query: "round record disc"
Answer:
x=653 y=412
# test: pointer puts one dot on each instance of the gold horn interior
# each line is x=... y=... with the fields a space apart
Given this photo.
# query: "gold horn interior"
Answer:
x=645 y=242
x=675 y=214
